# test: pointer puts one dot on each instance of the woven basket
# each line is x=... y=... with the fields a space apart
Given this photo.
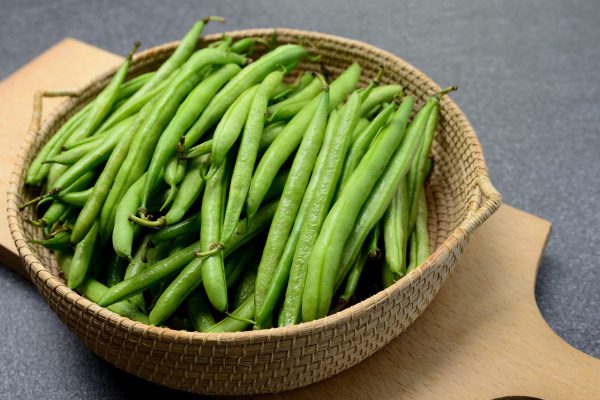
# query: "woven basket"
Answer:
x=460 y=197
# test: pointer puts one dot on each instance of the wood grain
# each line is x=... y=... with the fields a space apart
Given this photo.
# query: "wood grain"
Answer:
x=482 y=337
x=67 y=65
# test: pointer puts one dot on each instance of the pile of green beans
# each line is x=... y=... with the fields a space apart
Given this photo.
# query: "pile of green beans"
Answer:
x=221 y=193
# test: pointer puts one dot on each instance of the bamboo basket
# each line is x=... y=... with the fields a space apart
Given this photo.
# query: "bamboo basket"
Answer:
x=460 y=198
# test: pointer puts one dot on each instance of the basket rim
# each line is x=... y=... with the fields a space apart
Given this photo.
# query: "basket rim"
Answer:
x=35 y=267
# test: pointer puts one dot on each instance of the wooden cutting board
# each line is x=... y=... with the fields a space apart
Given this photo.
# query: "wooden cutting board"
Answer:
x=482 y=337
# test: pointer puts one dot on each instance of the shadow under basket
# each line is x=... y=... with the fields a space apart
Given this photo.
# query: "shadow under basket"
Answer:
x=460 y=198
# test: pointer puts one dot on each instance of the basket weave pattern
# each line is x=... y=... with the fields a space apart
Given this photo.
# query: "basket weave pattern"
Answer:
x=460 y=197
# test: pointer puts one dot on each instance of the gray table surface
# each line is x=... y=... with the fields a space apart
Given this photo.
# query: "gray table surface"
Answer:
x=528 y=78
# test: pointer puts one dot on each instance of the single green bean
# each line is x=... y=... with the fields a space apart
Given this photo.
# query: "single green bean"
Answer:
x=247 y=153
x=84 y=252
x=76 y=199
x=238 y=320
x=189 y=191
x=291 y=199
x=421 y=230
x=211 y=217
x=124 y=229
x=325 y=257
x=413 y=250
x=185 y=227
x=60 y=242
x=245 y=288
x=379 y=95
x=374 y=251
x=199 y=312
x=270 y=133
x=136 y=266
x=354 y=277
x=115 y=271
x=291 y=136
x=230 y=127
x=174 y=174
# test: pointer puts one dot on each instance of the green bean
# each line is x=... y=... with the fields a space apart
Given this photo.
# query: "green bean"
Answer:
x=362 y=124
x=189 y=191
x=287 y=111
x=110 y=137
x=128 y=88
x=361 y=144
x=199 y=312
x=37 y=170
x=101 y=189
x=166 y=72
x=230 y=127
x=148 y=134
x=395 y=230
x=124 y=229
x=270 y=133
x=243 y=45
x=245 y=288
x=186 y=114
x=291 y=136
x=76 y=199
x=247 y=152
x=136 y=266
x=417 y=174
x=387 y=277
x=374 y=251
x=277 y=186
x=413 y=253
x=302 y=82
x=353 y=277
x=238 y=320
x=115 y=271
x=379 y=95
x=103 y=102
x=289 y=107
x=60 y=242
x=185 y=227
x=421 y=231
x=174 y=174
x=211 y=217
x=199 y=150
x=290 y=202
x=384 y=190
x=83 y=257
x=318 y=202
x=248 y=77
x=325 y=257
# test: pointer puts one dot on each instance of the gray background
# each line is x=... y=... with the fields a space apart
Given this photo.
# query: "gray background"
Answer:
x=529 y=82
